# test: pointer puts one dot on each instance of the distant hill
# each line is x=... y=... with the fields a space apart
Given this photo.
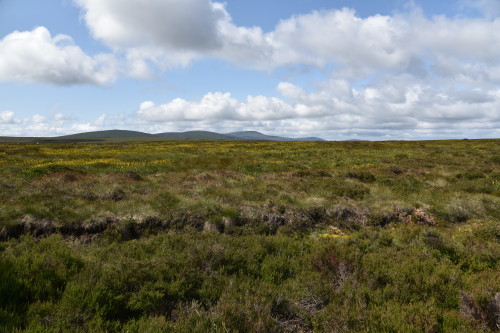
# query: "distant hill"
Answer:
x=111 y=134
x=254 y=135
x=310 y=138
x=189 y=135
x=195 y=135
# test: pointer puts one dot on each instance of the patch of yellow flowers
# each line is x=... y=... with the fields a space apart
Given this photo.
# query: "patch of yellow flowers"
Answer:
x=333 y=232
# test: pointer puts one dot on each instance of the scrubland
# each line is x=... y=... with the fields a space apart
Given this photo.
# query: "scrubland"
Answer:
x=250 y=236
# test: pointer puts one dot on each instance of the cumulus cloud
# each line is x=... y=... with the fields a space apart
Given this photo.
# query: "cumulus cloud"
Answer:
x=7 y=117
x=55 y=125
x=407 y=42
x=218 y=106
x=400 y=107
x=161 y=34
x=36 y=56
x=186 y=24
x=174 y=32
x=164 y=32
x=341 y=37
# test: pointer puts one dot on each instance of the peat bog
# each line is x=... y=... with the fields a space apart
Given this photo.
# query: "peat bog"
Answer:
x=250 y=236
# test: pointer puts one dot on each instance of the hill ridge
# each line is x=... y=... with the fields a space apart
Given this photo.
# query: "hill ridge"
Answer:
x=195 y=134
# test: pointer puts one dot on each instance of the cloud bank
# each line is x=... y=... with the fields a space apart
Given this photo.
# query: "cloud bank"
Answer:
x=176 y=32
x=161 y=34
x=400 y=107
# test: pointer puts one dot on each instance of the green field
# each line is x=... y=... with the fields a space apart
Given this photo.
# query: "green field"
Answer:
x=250 y=236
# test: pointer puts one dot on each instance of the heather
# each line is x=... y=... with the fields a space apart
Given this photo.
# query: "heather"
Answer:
x=250 y=236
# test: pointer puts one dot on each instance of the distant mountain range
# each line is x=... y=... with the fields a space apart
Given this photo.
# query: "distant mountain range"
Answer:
x=199 y=135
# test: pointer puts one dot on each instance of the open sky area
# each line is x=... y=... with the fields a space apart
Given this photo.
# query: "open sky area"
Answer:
x=337 y=69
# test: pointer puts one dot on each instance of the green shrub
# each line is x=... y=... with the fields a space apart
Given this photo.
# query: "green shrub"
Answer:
x=362 y=176
x=164 y=202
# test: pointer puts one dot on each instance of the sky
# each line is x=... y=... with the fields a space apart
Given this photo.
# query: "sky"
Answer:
x=336 y=69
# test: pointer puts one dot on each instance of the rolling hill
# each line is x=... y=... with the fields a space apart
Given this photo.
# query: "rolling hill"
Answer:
x=111 y=134
x=254 y=135
x=189 y=135
x=196 y=135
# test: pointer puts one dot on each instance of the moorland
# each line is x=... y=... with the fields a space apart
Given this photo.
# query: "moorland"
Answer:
x=247 y=236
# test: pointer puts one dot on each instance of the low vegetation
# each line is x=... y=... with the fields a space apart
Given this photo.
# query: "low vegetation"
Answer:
x=250 y=236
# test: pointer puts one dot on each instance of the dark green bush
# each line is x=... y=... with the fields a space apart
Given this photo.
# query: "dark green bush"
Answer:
x=362 y=176
x=164 y=202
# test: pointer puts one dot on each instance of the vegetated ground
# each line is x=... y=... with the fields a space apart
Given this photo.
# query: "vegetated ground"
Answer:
x=250 y=236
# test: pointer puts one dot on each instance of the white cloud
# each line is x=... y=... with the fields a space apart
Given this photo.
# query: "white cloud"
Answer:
x=218 y=106
x=164 y=32
x=400 y=43
x=489 y=8
x=59 y=117
x=341 y=37
x=59 y=124
x=403 y=106
x=38 y=119
x=174 y=24
x=36 y=56
x=161 y=34
x=7 y=117
x=174 y=32
x=170 y=33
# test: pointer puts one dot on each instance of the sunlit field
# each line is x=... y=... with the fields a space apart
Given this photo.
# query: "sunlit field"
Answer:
x=250 y=236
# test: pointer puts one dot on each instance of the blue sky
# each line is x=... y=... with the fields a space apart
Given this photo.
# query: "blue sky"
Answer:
x=373 y=70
